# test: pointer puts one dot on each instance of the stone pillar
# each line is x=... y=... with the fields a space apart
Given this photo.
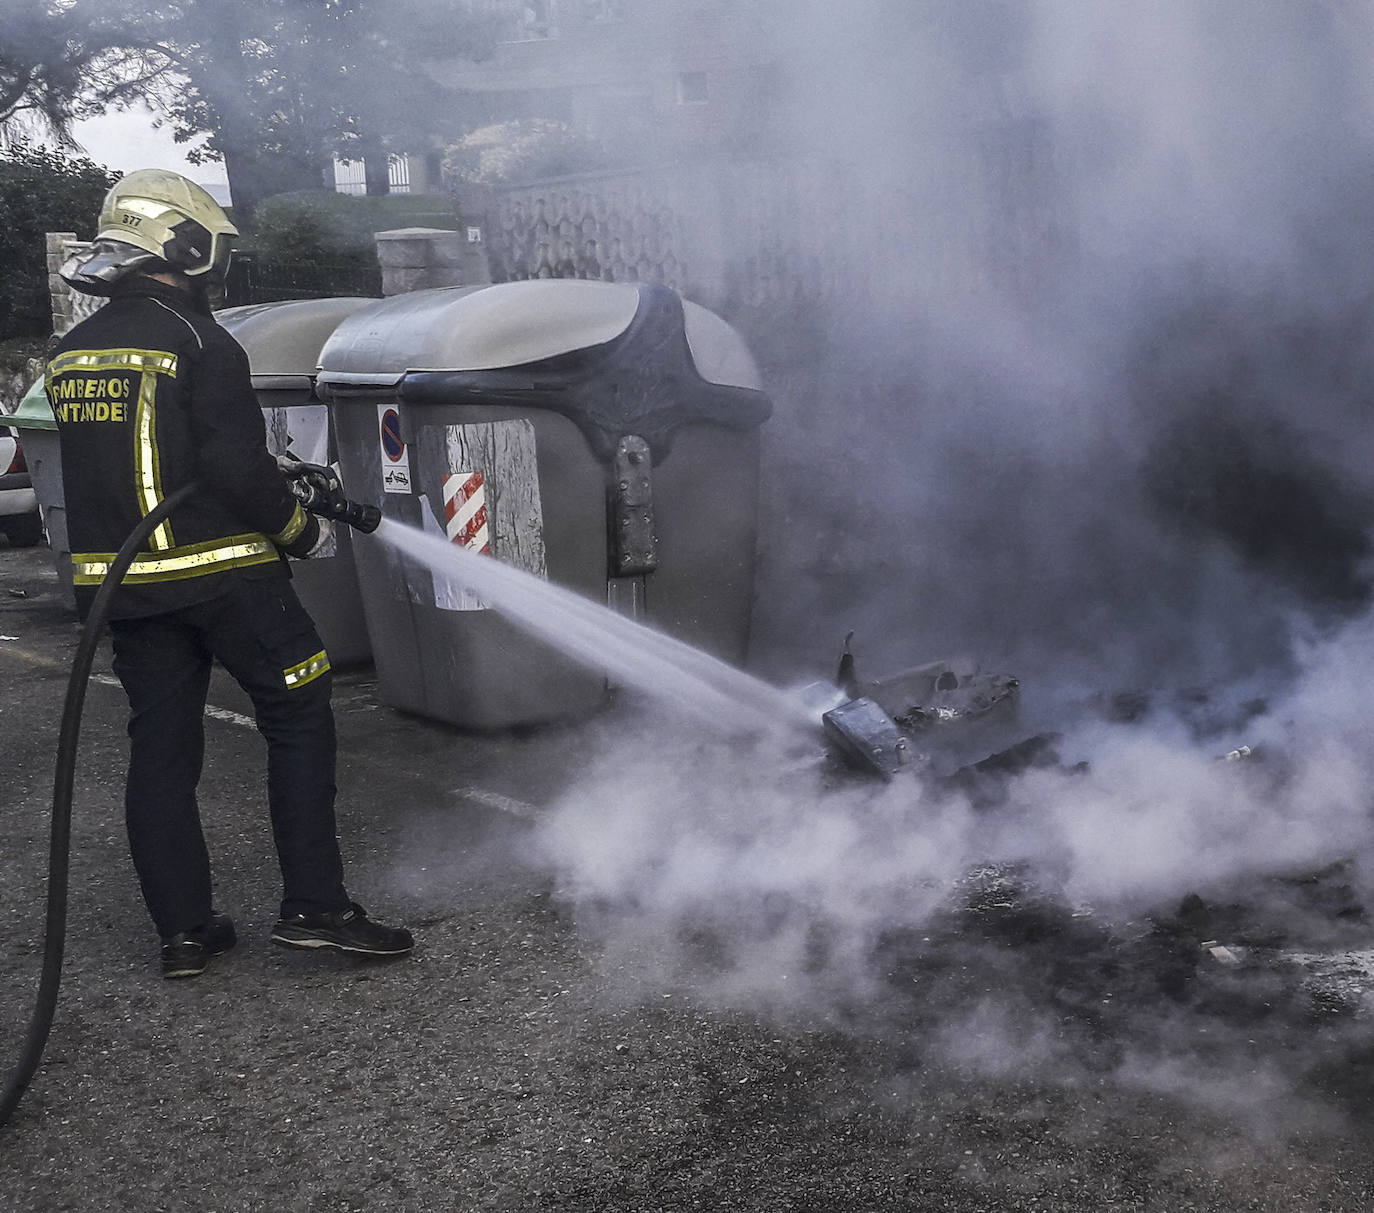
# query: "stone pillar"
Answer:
x=58 y=291
x=417 y=258
x=68 y=306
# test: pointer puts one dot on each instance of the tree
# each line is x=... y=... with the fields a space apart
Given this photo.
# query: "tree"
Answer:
x=382 y=44
x=235 y=80
x=281 y=86
x=60 y=59
x=40 y=191
x=277 y=86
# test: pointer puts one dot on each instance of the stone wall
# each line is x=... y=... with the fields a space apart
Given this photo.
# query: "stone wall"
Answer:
x=692 y=230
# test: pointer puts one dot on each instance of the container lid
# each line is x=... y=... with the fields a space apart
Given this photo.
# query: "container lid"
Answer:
x=34 y=411
x=475 y=328
x=283 y=339
x=617 y=358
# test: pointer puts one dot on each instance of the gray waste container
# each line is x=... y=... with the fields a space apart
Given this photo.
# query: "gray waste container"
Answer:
x=612 y=430
x=283 y=342
x=43 y=454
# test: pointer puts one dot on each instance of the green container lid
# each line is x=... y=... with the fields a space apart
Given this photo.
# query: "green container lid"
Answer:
x=34 y=411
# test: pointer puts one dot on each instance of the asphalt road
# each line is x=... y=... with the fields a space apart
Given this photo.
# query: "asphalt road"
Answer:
x=510 y=1064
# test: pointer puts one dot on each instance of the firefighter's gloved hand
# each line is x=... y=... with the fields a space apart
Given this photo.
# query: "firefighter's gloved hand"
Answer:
x=313 y=537
x=317 y=488
x=290 y=467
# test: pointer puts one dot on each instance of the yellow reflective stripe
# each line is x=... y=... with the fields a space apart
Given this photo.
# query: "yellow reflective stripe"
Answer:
x=149 y=208
x=156 y=361
x=308 y=670
x=195 y=560
x=292 y=529
x=147 y=472
x=148 y=365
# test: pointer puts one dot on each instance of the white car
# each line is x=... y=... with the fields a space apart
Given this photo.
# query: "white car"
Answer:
x=20 y=521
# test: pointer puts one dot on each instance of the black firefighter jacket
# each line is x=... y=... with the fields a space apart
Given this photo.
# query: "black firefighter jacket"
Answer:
x=150 y=394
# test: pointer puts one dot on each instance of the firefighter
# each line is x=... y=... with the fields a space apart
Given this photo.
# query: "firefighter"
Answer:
x=151 y=393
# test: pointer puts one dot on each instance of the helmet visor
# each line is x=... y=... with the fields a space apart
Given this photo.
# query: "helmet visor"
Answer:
x=95 y=270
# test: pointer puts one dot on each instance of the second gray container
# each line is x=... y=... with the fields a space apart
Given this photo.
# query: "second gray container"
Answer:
x=611 y=431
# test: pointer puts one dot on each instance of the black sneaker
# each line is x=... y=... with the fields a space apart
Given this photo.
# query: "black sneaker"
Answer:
x=347 y=930
x=187 y=953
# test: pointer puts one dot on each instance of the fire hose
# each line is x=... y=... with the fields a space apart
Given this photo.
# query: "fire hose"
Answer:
x=320 y=492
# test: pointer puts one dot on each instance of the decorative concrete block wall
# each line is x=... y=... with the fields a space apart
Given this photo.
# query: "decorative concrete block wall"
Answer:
x=743 y=236
x=608 y=228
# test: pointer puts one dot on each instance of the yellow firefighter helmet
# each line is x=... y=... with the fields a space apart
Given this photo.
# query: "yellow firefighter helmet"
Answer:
x=149 y=217
x=174 y=219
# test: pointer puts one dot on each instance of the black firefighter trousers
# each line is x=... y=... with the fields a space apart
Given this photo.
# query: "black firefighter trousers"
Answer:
x=265 y=639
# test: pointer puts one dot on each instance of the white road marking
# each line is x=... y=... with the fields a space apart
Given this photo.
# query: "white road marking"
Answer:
x=107 y=680
x=494 y=800
x=232 y=717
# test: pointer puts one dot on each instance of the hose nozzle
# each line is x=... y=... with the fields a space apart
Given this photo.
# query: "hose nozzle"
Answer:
x=320 y=491
x=361 y=517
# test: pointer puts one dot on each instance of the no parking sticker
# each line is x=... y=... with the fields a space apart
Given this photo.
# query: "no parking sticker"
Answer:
x=395 y=457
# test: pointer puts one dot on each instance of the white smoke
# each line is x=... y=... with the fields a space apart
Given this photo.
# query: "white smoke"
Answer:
x=1090 y=406
x=670 y=831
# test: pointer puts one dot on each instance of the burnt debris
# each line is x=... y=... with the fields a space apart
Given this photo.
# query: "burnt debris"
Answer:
x=946 y=721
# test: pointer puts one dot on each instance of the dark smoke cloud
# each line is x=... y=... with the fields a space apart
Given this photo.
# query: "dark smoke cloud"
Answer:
x=1084 y=395
x=1096 y=369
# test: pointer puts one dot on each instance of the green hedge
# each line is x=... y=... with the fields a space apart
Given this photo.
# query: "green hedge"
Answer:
x=319 y=243
x=322 y=225
x=40 y=191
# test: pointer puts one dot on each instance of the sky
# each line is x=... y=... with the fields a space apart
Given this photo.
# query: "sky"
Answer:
x=129 y=139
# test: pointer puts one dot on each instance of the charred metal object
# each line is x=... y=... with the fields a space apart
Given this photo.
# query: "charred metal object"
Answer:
x=951 y=699
x=865 y=735
x=947 y=715
x=984 y=783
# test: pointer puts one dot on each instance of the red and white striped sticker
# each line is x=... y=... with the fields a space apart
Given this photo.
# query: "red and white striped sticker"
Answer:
x=465 y=511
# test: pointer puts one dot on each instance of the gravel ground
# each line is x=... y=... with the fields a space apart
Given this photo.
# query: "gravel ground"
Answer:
x=510 y=1065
